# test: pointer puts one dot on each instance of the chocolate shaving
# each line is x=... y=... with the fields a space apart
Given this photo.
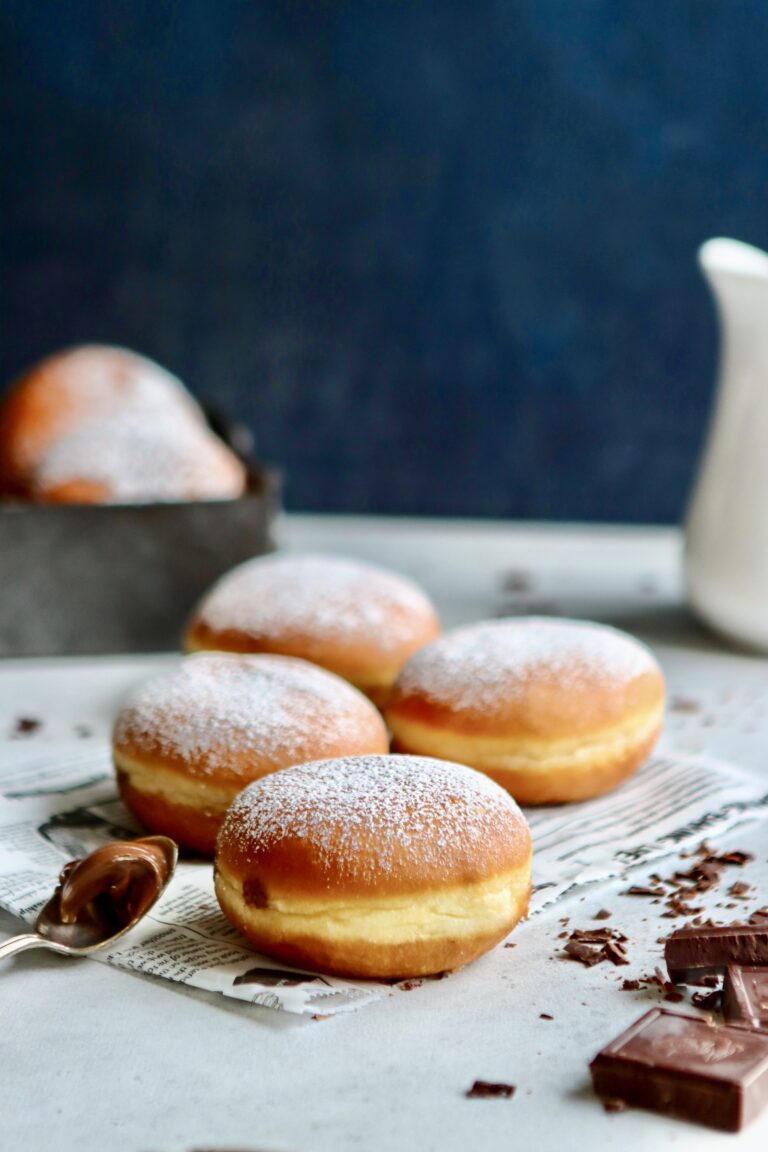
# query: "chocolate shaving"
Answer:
x=591 y=946
x=486 y=1088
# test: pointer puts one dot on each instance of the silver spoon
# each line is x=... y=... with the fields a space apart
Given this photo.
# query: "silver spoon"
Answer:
x=100 y=897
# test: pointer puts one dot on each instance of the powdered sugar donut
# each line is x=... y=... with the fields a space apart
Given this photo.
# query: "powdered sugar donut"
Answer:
x=128 y=459
x=188 y=741
x=554 y=710
x=74 y=387
x=374 y=866
x=358 y=620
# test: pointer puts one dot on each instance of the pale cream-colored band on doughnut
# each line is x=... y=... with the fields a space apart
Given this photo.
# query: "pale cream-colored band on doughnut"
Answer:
x=460 y=911
x=176 y=788
x=537 y=756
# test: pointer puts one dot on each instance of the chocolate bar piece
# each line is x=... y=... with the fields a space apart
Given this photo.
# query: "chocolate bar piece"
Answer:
x=687 y=1067
x=745 y=996
x=691 y=953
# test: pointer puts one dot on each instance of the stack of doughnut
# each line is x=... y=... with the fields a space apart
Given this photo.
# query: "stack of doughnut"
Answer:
x=329 y=852
x=101 y=425
x=355 y=619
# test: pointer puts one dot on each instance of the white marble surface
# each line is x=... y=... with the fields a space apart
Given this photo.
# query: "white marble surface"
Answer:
x=97 y=1059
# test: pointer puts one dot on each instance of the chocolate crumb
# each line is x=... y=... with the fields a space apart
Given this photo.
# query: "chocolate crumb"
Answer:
x=632 y=985
x=603 y=914
x=612 y=1104
x=545 y=1016
x=409 y=985
x=684 y=705
x=517 y=582
x=740 y=889
x=511 y=944
x=486 y=1088
x=26 y=726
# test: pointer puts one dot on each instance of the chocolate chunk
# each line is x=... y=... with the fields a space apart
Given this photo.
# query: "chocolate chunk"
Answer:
x=486 y=1088
x=708 y=1000
x=26 y=726
x=691 y=953
x=745 y=996
x=687 y=1067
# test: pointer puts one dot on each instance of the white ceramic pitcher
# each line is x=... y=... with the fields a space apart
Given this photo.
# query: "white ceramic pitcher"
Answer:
x=727 y=523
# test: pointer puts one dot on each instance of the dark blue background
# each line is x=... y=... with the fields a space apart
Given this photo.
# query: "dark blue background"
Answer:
x=440 y=255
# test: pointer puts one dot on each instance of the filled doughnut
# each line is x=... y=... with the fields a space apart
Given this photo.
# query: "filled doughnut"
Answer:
x=188 y=741
x=359 y=621
x=553 y=710
x=374 y=866
x=72 y=388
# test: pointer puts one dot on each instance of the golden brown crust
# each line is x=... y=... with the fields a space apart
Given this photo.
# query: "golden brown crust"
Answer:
x=554 y=711
x=195 y=828
x=365 y=622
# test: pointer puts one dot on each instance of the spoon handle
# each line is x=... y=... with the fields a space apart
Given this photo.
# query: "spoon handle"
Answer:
x=25 y=941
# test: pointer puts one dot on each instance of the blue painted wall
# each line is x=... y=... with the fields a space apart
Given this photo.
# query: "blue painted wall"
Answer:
x=440 y=254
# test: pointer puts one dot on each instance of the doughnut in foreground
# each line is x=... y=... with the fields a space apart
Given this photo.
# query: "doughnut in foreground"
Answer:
x=357 y=620
x=188 y=741
x=553 y=710
x=374 y=866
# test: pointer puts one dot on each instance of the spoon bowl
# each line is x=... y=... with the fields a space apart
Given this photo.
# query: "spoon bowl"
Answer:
x=100 y=897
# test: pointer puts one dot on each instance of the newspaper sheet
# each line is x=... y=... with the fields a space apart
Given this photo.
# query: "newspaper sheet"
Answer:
x=57 y=806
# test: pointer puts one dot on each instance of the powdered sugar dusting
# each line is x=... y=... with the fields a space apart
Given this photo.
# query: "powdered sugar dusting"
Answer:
x=370 y=813
x=326 y=597
x=140 y=456
x=216 y=706
x=487 y=664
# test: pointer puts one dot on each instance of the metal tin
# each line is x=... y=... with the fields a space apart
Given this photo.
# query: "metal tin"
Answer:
x=120 y=578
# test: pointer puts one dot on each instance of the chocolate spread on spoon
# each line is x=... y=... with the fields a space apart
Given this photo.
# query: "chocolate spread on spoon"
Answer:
x=116 y=884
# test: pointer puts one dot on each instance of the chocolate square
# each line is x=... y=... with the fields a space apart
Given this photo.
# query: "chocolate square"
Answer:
x=691 y=953
x=745 y=996
x=687 y=1067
